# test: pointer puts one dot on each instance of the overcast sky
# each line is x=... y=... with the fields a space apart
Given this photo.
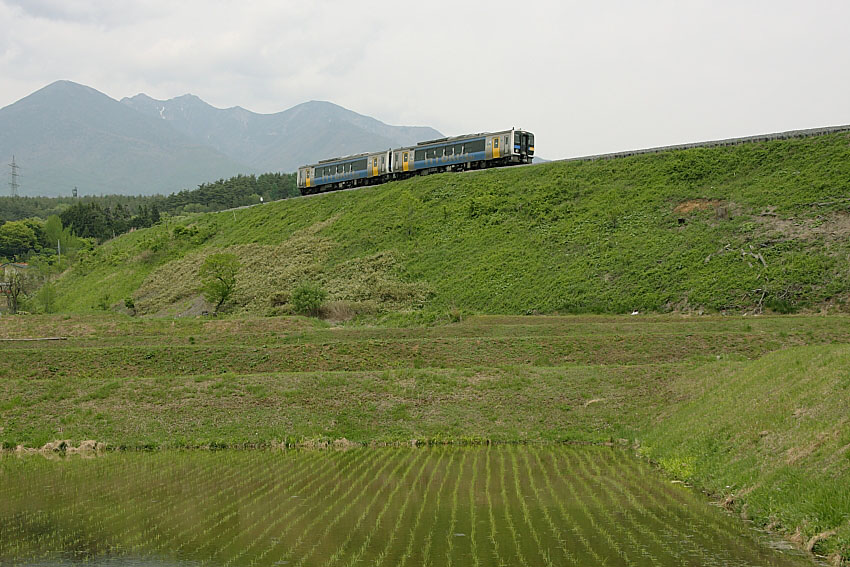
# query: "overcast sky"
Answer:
x=586 y=77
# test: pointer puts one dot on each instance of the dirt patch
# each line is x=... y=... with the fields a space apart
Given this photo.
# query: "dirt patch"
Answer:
x=692 y=205
x=198 y=306
x=62 y=446
x=830 y=226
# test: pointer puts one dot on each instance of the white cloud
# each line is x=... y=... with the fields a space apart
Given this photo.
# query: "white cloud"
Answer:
x=587 y=77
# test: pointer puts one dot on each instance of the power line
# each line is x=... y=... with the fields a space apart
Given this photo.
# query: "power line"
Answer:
x=14 y=183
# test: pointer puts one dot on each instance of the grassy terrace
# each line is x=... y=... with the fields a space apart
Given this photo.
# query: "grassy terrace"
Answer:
x=193 y=382
x=752 y=409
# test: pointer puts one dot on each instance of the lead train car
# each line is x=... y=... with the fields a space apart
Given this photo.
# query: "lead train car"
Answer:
x=474 y=151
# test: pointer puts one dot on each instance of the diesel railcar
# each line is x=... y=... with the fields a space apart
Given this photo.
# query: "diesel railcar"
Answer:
x=457 y=153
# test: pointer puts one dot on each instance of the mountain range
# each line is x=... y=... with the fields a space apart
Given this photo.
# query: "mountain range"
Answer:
x=68 y=135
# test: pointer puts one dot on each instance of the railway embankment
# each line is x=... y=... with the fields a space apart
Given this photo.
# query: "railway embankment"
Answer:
x=756 y=227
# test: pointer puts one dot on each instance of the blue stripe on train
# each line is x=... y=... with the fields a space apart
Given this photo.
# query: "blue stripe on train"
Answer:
x=337 y=178
x=434 y=162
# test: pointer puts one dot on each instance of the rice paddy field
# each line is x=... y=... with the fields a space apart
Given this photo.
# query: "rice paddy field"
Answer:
x=527 y=505
x=462 y=440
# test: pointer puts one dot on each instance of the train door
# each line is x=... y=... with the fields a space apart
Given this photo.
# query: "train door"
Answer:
x=495 y=147
x=307 y=177
x=375 y=166
x=405 y=161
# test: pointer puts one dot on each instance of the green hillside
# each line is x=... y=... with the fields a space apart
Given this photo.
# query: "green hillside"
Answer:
x=771 y=438
x=749 y=227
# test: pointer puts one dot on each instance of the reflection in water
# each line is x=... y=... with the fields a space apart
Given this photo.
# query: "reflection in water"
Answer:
x=498 y=505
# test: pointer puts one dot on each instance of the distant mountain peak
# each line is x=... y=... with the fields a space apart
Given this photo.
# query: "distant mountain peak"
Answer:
x=69 y=134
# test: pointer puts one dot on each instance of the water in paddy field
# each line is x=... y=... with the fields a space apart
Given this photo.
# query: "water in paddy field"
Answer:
x=496 y=505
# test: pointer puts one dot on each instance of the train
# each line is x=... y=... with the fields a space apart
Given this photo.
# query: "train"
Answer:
x=456 y=153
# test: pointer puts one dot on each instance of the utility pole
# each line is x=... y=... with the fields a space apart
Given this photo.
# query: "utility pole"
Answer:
x=14 y=184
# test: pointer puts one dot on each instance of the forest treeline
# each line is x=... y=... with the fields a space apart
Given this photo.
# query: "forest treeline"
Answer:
x=215 y=196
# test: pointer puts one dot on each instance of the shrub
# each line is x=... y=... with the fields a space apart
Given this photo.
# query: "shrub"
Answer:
x=218 y=278
x=307 y=299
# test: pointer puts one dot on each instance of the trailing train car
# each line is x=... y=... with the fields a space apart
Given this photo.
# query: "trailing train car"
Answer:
x=458 y=153
x=348 y=171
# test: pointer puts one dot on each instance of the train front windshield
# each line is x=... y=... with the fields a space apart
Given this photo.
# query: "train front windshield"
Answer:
x=524 y=143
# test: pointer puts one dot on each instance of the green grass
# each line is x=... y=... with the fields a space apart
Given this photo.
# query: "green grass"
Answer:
x=751 y=409
x=763 y=225
x=757 y=227
x=770 y=437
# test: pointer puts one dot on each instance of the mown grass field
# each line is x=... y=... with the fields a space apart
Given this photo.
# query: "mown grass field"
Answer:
x=752 y=409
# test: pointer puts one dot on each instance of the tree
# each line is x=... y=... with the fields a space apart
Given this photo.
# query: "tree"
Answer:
x=16 y=239
x=218 y=278
x=17 y=290
x=47 y=297
x=87 y=220
x=59 y=237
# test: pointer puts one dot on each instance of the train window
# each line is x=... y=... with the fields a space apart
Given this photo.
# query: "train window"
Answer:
x=473 y=146
x=405 y=157
x=450 y=150
x=496 y=143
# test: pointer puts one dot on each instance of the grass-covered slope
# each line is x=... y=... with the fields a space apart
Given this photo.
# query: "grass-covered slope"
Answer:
x=771 y=437
x=757 y=225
